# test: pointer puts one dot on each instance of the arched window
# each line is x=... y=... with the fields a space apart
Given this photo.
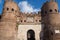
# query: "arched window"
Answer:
x=39 y=20
x=55 y=10
x=7 y=8
x=50 y=10
x=12 y=9
x=24 y=20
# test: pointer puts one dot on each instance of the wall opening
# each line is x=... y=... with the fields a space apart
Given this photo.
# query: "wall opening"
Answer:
x=30 y=35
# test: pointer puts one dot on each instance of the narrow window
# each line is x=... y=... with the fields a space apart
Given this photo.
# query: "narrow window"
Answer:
x=7 y=9
x=50 y=10
x=39 y=20
x=24 y=20
x=55 y=10
x=12 y=9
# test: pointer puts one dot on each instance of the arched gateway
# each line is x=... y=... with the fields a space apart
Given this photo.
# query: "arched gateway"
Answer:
x=30 y=35
x=29 y=27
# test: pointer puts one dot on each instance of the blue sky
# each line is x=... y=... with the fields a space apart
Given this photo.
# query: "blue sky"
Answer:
x=28 y=5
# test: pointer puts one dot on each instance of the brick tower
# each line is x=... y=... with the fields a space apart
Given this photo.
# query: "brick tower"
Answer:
x=50 y=20
x=8 y=21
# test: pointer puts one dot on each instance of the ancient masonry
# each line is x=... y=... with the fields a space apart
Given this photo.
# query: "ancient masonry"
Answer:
x=8 y=21
x=51 y=21
x=15 y=25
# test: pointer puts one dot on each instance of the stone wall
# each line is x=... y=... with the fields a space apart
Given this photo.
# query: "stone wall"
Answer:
x=7 y=30
x=51 y=24
x=23 y=29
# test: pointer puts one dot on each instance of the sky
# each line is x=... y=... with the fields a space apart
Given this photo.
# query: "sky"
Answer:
x=28 y=5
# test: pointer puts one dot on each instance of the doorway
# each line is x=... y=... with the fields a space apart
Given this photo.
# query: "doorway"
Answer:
x=30 y=35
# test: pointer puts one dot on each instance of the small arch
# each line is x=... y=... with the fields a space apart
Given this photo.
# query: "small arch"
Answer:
x=39 y=20
x=55 y=10
x=30 y=35
x=12 y=9
x=7 y=8
x=50 y=10
x=24 y=20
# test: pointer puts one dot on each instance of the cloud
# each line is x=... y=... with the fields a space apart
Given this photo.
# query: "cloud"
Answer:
x=26 y=7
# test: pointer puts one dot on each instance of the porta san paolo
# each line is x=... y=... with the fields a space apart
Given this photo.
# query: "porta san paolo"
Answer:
x=44 y=25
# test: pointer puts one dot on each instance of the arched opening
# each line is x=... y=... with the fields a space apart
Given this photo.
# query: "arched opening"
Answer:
x=30 y=35
x=50 y=10
x=12 y=9
x=7 y=8
x=55 y=10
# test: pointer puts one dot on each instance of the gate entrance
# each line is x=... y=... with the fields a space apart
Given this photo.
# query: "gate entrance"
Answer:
x=30 y=35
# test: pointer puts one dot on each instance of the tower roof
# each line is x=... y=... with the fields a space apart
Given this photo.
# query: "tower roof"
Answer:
x=50 y=4
x=50 y=7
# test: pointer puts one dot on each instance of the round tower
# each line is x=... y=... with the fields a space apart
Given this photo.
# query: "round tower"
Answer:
x=10 y=10
x=50 y=20
x=50 y=7
x=8 y=21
